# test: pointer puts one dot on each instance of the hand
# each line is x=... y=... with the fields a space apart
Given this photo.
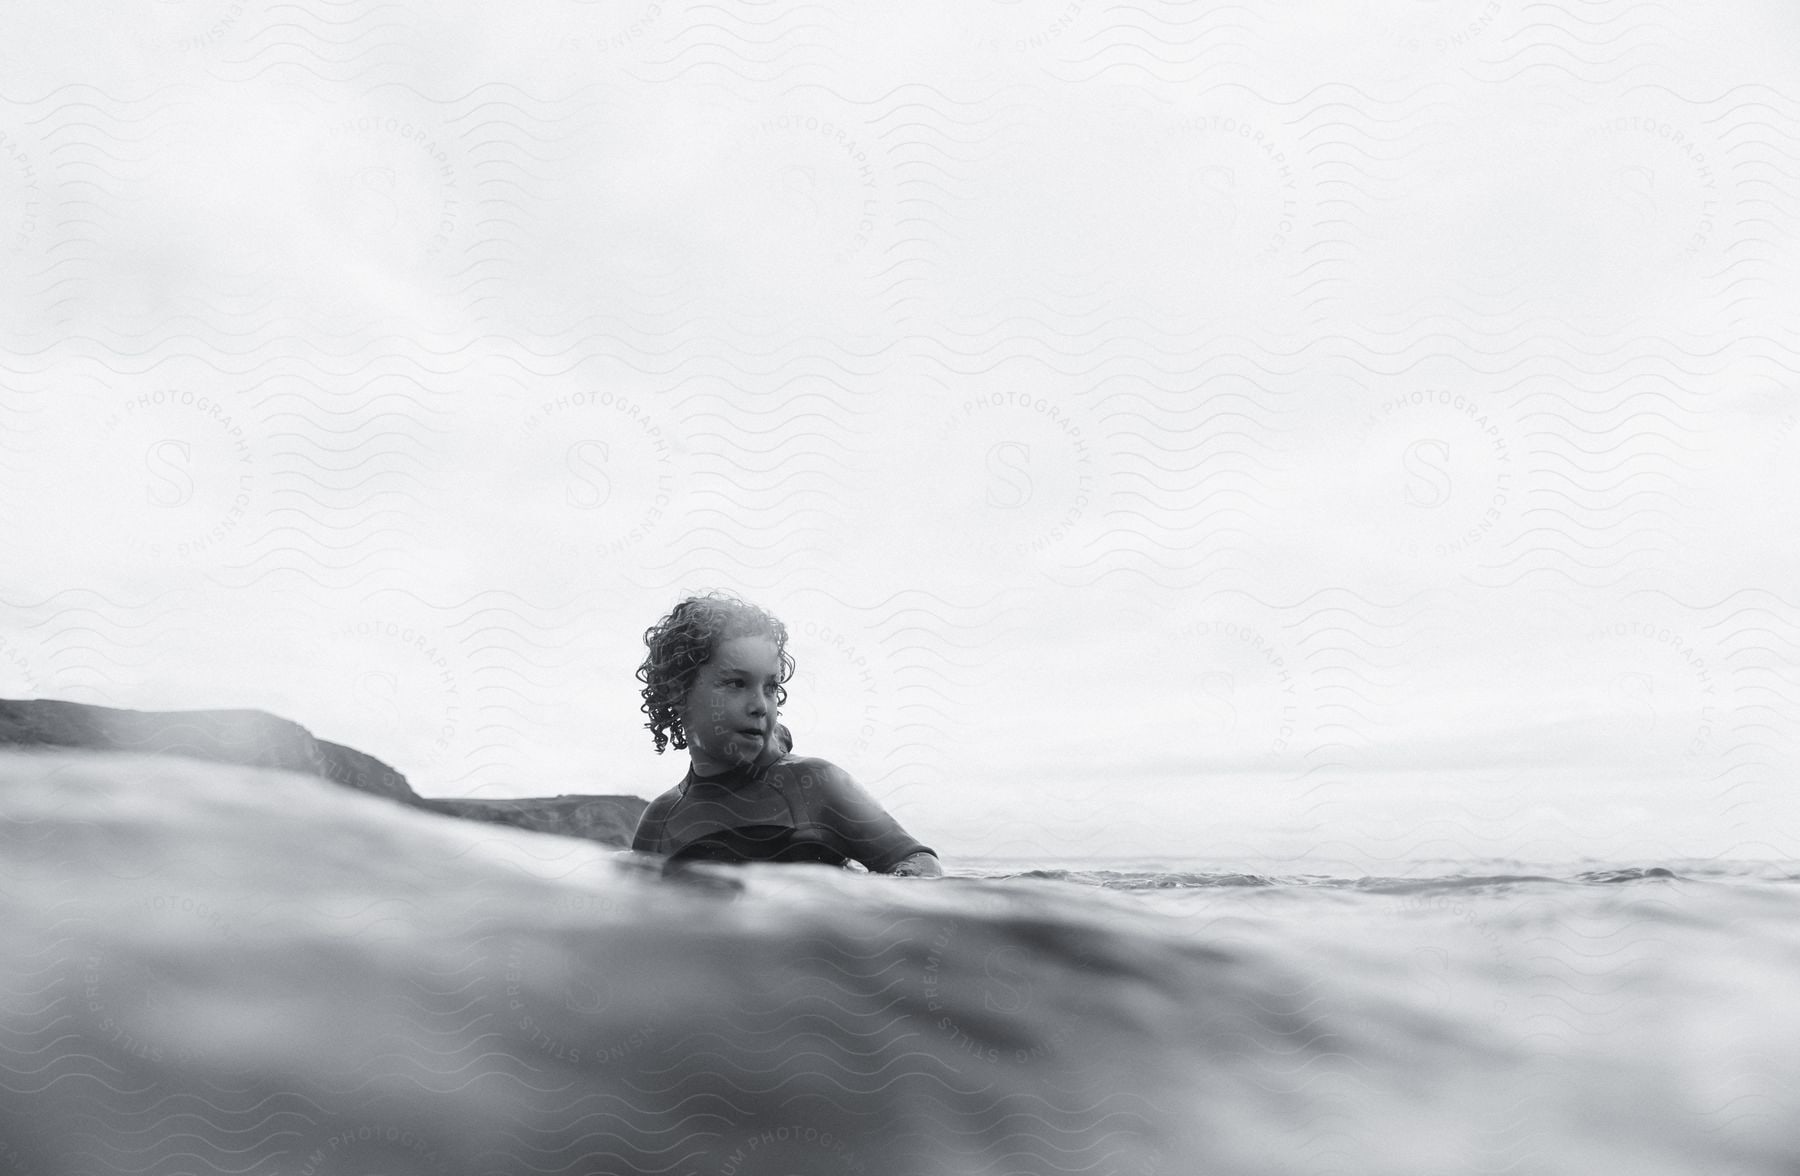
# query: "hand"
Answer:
x=919 y=865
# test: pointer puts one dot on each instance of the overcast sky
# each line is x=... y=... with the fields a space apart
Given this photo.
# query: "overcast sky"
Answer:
x=1164 y=429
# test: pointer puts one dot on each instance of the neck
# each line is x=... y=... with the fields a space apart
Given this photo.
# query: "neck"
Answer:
x=713 y=771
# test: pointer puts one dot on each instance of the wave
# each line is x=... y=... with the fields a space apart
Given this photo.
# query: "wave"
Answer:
x=210 y=967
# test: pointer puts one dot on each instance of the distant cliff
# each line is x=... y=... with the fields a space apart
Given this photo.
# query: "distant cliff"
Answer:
x=258 y=739
x=607 y=819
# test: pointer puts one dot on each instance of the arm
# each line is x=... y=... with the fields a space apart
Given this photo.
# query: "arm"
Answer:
x=863 y=829
x=923 y=864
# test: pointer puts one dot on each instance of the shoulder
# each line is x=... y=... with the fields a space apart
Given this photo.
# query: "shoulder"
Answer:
x=654 y=817
x=818 y=783
x=663 y=803
x=806 y=763
x=809 y=771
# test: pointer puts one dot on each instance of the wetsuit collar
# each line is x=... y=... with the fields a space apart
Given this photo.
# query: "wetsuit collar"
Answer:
x=732 y=778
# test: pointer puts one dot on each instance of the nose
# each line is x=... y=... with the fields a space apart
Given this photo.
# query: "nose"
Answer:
x=759 y=706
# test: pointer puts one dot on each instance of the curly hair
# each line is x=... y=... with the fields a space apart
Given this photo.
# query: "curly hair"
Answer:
x=683 y=641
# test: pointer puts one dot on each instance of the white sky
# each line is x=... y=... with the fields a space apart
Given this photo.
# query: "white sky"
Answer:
x=1165 y=429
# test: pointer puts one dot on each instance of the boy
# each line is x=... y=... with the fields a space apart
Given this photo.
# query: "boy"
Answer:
x=713 y=684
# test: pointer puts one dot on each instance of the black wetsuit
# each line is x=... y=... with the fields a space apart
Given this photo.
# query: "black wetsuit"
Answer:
x=797 y=809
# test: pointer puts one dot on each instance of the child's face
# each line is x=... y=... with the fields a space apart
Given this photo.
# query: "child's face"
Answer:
x=730 y=715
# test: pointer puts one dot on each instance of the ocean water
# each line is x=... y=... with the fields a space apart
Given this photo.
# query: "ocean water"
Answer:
x=211 y=969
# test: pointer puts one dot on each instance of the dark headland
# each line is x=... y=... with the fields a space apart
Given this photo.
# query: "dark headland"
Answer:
x=259 y=739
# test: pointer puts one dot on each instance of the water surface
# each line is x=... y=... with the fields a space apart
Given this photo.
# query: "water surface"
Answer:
x=216 y=969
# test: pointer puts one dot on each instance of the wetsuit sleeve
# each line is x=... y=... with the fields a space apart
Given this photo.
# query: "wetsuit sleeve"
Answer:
x=856 y=824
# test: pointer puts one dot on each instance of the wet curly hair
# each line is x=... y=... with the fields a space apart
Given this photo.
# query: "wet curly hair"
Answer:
x=683 y=641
